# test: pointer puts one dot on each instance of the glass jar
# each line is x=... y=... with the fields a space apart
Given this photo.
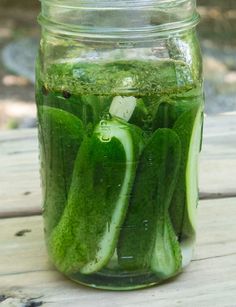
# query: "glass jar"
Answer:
x=120 y=104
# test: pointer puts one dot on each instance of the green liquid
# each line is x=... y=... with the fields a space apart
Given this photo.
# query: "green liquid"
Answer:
x=119 y=148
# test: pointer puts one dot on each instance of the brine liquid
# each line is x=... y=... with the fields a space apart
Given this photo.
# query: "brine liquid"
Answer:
x=119 y=159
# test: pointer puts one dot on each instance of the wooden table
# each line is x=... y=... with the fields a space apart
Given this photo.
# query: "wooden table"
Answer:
x=28 y=279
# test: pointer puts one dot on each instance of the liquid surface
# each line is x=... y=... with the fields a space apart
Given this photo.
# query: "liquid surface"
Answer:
x=119 y=155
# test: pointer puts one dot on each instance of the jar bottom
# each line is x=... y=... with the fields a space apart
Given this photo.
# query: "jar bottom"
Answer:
x=109 y=279
x=118 y=282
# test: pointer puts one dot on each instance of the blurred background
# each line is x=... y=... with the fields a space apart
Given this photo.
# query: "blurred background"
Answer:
x=19 y=35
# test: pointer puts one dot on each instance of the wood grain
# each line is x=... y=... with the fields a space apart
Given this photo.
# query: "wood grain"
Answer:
x=210 y=280
x=218 y=158
x=19 y=176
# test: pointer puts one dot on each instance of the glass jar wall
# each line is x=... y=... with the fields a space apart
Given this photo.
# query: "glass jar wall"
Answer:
x=120 y=104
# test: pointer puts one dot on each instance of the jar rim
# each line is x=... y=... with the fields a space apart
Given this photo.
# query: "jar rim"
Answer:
x=151 y=4
x=139 y=34
x=118 y=19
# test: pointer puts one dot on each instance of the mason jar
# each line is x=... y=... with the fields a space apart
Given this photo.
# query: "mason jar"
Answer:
x=120 y=108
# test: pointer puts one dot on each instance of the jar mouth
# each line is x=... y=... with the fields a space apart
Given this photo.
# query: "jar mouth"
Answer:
x=111 y=19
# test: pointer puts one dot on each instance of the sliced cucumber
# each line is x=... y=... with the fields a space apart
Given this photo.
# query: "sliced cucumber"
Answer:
x=60 y=134
x=167 y=259
x=108 y=241
x=183 y=206
x=86 y=236
x=147 y=236
x=192 y=172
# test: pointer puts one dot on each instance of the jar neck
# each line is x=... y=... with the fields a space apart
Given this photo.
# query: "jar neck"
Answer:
x=118 y=19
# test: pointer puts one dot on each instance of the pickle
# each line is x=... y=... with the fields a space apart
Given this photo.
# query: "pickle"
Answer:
x=58 y=152
x=86 y=237
x=171 y=109
x=147 y=228
x=184 y=202
x=119 y=172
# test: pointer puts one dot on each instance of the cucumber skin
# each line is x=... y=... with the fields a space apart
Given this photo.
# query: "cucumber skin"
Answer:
x=150 y=202
x=97 y=181
x=170 y=110
x=60 y=136
x=167 y=257
x=179 y=206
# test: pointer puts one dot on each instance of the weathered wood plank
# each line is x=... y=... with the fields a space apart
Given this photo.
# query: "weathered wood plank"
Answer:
x=210 y=280
x=197 y=287
x=16 y=135
x=218 y=158
x=19 y=175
